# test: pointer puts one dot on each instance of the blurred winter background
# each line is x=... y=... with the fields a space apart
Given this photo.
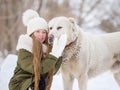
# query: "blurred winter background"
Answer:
x=94 y=16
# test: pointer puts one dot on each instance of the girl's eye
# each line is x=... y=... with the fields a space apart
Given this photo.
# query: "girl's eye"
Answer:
x=58 y=28
x=43 y=32
x=37 y=31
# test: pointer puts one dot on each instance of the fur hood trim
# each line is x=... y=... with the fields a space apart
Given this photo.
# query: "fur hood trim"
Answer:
x=44 y=48
x=24 y=42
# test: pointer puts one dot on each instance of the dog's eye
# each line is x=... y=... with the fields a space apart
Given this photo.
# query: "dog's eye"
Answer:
x=58 y=28
x=50 y=28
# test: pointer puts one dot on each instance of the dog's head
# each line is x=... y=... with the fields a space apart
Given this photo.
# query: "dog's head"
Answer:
x=62 y=25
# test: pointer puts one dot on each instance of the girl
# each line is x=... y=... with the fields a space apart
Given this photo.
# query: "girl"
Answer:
x=36 y=64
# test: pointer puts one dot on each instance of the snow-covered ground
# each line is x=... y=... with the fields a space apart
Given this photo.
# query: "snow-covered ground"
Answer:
x=102 y=82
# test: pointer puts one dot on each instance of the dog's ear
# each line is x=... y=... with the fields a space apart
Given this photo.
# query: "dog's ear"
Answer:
x=71 y=19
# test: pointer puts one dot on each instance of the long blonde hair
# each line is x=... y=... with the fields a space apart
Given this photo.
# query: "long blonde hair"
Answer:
x=37 y=50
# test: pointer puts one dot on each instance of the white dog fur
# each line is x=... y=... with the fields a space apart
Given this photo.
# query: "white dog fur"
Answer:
x=86 y=55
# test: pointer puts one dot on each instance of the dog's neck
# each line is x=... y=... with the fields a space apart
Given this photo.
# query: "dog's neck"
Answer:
x=68 y=45
x=70 y=51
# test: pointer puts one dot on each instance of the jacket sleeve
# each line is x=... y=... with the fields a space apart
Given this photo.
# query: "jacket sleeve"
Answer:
x=25 y=59
x=57 y=65
x=49 y=63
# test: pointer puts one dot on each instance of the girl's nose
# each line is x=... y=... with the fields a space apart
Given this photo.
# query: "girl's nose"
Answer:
x=40 y=34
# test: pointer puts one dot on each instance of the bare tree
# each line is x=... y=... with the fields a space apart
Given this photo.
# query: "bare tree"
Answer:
x=90 y=14
x=112 y=23
x=53 y=8
x=98 y=13
x=10 y=22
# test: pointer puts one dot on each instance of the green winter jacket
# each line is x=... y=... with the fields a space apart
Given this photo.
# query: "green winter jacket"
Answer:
x=23 y=75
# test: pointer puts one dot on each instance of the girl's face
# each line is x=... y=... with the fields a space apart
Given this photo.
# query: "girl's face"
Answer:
x=40 y=35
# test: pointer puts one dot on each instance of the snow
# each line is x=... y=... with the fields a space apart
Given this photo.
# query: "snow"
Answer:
x=105 y=81
x=6 y=71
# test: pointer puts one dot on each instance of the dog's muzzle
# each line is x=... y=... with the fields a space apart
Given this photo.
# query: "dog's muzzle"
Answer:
x=50 y=39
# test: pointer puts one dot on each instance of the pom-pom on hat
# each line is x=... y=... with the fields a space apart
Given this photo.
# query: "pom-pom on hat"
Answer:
x=33 y=21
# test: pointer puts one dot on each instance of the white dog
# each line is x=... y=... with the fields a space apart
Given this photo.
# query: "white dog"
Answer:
x=85 y=55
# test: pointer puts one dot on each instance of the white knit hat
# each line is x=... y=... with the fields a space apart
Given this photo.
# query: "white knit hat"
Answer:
x=33 y=22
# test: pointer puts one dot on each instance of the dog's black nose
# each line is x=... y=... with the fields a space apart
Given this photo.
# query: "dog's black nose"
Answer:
x=50 y=39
